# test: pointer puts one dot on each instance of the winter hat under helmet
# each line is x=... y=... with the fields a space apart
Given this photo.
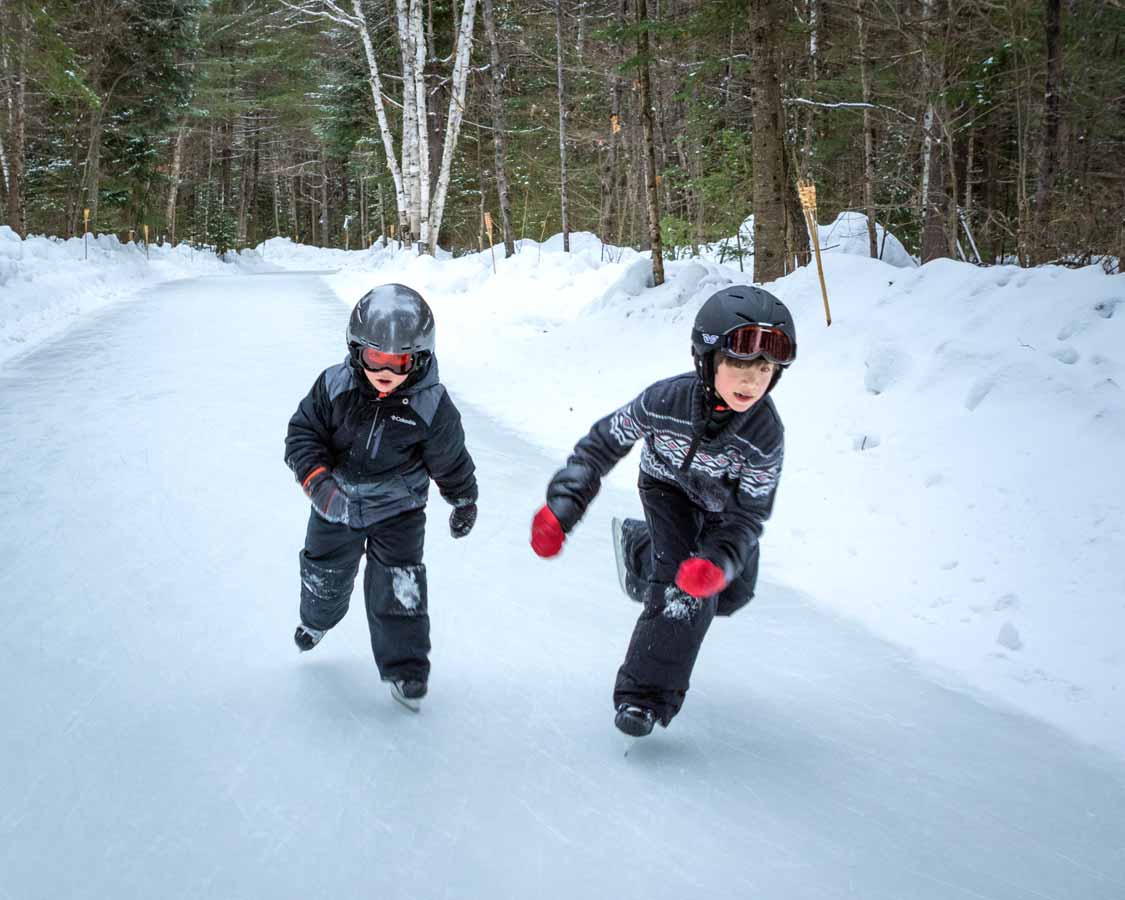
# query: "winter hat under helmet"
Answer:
x=392 y=318
x=727 y=311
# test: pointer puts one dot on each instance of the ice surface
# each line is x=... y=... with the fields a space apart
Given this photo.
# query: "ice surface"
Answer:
x=163 y=738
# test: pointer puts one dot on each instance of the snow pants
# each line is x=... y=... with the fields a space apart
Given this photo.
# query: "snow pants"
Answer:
x=394 y=587
x=667 y=637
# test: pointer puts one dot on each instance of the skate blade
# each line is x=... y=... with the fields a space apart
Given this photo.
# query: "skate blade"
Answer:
x=616 y=527
x=413 y=705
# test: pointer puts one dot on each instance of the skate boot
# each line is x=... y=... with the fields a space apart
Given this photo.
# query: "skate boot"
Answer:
x=635 y=721
x=306 y=638
x=408 y=692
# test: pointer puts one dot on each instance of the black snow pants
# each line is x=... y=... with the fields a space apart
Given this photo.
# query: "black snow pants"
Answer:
x=666 y=640
x=394 y=587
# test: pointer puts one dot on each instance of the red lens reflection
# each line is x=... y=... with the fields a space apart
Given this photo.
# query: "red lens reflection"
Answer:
x=373 y=360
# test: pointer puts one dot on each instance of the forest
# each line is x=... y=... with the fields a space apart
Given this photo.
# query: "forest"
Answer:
x=984 y=130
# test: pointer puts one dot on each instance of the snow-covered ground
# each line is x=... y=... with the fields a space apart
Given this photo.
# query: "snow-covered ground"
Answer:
x=162 y=737
x=47 y=283
x=954 y=475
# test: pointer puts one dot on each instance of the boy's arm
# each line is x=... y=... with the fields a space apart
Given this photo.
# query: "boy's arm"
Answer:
x=610 y=439
x=308 y=440
x=447 y=458
x=732 y=540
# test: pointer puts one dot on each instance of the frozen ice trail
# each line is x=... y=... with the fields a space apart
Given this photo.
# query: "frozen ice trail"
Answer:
x=161 y=737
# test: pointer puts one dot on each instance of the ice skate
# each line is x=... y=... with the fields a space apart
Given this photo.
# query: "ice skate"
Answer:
x=635 y=721
x=408 y=692
x=306 y=638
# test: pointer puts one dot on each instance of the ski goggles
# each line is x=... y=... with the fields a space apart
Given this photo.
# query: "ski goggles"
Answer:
x=376 y=360
x=752 y=341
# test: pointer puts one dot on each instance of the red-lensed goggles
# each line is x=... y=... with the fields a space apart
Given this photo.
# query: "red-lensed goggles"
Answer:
x=375 y=360
x=752 y=341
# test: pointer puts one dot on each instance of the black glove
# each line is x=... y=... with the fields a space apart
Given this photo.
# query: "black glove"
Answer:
x=462 y=519
x=328 y=500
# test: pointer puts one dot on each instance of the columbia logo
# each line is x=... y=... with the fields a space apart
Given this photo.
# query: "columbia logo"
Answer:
x=404 y=421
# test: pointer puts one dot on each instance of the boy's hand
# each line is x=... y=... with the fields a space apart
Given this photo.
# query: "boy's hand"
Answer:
x=700 y=577
x=462 y=519
x=546 y=533
x=327 y=498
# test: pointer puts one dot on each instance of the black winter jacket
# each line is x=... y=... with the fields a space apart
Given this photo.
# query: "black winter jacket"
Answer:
x=382 y=452
x=732 y=477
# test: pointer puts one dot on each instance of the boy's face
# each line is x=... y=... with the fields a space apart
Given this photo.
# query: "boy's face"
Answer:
x=743 y=382
x=385 y=381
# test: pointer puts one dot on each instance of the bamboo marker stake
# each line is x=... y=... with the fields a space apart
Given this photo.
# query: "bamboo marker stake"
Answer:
x=542 y=235
x=488 y=231
x=85 y=232
x=146 y=241
x=392 y=237
x=807 y=192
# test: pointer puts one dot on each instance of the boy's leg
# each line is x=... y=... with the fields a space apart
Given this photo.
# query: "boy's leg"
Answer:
x=395 y=589
x=666 y=640
x=636 y=550
x=329 y=562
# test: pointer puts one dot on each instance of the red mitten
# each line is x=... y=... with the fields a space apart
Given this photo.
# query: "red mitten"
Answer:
x=546 y=533
x=700 y=577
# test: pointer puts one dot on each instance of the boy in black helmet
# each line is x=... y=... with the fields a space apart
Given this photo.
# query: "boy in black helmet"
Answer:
x=713 y=445
x=364 y=445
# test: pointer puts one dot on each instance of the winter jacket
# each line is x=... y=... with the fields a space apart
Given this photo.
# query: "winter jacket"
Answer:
x=382 y=452
x=731 y=477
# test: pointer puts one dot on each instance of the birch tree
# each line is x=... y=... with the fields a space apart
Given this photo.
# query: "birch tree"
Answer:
x=420 y=204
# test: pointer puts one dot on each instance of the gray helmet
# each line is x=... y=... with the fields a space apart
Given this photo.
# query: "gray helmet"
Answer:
x=394 y=319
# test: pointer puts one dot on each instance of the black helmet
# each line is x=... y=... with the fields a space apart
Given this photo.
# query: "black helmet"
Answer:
x=392 y=318
x=720 y=322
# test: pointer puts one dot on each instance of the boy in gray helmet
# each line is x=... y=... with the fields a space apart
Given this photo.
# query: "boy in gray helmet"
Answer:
x=709 y=468
x=364 y=445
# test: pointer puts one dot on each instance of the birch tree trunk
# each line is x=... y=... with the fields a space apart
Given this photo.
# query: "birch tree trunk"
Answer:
x=562 y=128
x=814 y=50
x=935 y=243
x=375 y=83
x=498 y=137
x=174 y=181
x=656 y=244
x=411 y=169
x=768 y=143
x=456 y=114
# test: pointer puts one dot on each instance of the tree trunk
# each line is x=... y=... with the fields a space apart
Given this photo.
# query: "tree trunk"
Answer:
x=1049 y=151
x=768 y=142
x=562 y=127
x=814 y=51
x=375 y=83
x=654 y=237
x=454 y=118
x=868 y=133
x=498 y=137
x=17 y=211
x=174 y=181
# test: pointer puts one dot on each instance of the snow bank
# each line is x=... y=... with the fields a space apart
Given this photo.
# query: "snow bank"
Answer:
x=45 y=282
x=847 y=234
x=954 y=441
